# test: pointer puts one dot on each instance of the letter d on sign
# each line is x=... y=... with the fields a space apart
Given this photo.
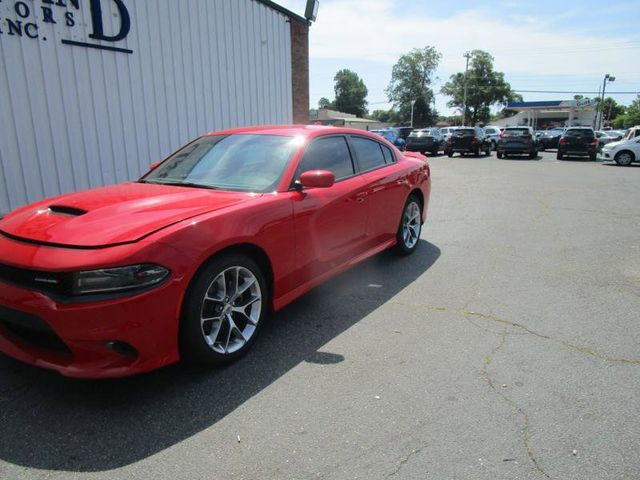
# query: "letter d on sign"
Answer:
x=98 y=27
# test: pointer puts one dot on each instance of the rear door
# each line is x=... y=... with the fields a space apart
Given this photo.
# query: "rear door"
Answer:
x=330 y=223
x=578 y=140
x=517 y=138
x=386 y=188
x=463 y=138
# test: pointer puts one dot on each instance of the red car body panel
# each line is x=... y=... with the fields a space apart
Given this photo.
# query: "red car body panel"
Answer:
x=306 y=237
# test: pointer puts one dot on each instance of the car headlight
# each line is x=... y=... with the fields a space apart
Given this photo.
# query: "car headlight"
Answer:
x=110 y=280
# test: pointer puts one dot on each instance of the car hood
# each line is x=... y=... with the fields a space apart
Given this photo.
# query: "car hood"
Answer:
x=113 y=215
x=612 y=145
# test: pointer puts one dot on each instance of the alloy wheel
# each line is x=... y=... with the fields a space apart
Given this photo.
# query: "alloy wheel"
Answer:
x=411 y=225
x=231 y=310
x=624 y=159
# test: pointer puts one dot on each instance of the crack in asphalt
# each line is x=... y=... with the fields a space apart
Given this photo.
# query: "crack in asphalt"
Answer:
x=514 y=405
x=403 y=461
x=500 y=321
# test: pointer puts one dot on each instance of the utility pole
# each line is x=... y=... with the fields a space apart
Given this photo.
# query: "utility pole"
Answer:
x=413 y=102
x=467 y=55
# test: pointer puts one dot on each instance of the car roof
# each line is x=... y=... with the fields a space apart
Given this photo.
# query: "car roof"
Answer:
x=290 y=130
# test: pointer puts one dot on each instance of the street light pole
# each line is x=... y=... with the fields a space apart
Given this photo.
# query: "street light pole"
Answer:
x=609 y=78
x=467 y=55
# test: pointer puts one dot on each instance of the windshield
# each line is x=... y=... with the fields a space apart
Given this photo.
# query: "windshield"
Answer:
x=579 y=133
x=463 y=132
x=515 y=132
x=245 y=163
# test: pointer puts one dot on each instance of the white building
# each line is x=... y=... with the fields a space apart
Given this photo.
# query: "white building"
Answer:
x=93 y=91
x=546 y=114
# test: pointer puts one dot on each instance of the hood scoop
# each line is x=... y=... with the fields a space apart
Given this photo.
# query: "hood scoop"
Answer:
x=68 y=211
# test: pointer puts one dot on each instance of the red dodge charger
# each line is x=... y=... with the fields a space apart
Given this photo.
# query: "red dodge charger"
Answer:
x=187 y=262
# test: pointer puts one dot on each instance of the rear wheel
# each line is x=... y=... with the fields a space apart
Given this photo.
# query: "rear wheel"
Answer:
x=533 y=154
x=499 y=154
x=223 y=311
x=476 y=153
x=624 y=159
x=449 y=154
x=593 y=157
x=408 y=235
x=559 y=156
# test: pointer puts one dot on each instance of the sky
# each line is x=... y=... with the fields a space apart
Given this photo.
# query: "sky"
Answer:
x=559 y=45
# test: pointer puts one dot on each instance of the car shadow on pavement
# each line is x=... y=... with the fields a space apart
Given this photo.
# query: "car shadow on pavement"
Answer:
x=54 y=423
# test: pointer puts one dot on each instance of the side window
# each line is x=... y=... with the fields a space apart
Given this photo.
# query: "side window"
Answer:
x=369 y=153
x=330 y=154
x=388 y=154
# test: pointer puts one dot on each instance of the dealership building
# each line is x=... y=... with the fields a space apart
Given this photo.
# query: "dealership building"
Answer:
x=93 y=91
x=553 y=113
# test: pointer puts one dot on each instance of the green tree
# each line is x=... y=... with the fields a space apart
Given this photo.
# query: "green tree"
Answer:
x=351 y=93
x=385 y=116
x=630 y=118
x=324 y=103
x=411 y=81
x=610 y=109
x=485 y=88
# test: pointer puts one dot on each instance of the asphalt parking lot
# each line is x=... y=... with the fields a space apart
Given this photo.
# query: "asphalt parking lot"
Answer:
x=508 y=347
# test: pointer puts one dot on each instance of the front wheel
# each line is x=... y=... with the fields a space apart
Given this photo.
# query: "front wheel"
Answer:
x=408 y=235
x=449 y=154
x=533 y=154
x=499 y=154
x=223 y=311
x=624 y=159
x=559 y=156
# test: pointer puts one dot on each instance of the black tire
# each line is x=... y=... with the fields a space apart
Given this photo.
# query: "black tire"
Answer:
x=593 y=157
x=559 y=156
x=499 y=154
x=449 y=154
x=476 y=153
x=402 y=247
x=434 y=152
x=624 y=158
x=194 y=348
x=533 y=154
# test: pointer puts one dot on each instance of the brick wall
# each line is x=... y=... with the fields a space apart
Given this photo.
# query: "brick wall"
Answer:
x=300 y=71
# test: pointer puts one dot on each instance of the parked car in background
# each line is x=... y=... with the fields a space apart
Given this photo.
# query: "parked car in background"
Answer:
x=447 y=131
x=617 y=135
x=493 y=133
x=633 y=132
x=623 y=152
x=604 y=138
x=393 y=136
x=550 y=138
x=517 y=141
x=404 y=132
x=426 y=140
x=187 y=262
x=465 y=140
x=578 y=142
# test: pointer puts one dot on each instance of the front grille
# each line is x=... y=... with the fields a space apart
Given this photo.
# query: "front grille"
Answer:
x=56 y=284
x=32 y=330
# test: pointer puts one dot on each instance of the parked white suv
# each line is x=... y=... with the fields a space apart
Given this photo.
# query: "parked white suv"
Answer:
x=624 y=152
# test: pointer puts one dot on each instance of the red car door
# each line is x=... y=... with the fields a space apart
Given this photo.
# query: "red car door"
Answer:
x=387 y=188
x=330 y=223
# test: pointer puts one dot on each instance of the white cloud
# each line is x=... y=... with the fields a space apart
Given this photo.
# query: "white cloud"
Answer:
x=375 y=30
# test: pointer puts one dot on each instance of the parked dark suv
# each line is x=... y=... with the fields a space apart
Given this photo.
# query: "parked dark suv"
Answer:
x=426 y=140
x=579 y=142
x=468 y=140
x=517 y=141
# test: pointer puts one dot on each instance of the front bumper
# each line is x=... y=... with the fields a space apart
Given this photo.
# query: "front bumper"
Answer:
x=75 y=339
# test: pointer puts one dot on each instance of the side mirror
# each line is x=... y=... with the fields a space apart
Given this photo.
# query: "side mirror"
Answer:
x=154 y=166
x=317 y=179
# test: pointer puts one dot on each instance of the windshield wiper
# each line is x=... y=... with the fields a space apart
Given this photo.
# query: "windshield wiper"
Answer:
x=177 y=183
